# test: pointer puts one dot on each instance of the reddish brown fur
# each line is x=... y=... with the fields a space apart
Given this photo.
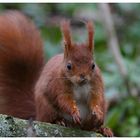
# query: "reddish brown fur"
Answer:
x=54 y=94
x=65 y=27
x=90 y=34
x=21 y=60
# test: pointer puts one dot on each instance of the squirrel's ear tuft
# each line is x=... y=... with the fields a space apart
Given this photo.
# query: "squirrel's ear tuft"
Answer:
x=90 y=30
x=65 y=28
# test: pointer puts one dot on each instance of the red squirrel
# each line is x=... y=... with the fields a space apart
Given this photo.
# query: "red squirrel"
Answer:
x=68 y=90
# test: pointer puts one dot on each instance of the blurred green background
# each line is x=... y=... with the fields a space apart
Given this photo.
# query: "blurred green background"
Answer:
x=123 y=114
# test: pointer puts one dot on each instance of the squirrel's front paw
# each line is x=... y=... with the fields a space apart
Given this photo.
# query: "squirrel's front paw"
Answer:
x=76 y=116
x=60 y=122
x=97 y=116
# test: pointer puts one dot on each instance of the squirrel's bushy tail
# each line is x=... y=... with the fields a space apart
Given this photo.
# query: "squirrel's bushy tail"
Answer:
x=21 y=60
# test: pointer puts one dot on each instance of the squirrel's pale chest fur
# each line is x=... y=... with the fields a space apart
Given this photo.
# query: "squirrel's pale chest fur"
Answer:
x=81 y=94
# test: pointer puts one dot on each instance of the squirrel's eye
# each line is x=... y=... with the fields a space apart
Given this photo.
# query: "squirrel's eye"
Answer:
x=93 y=66
x=69 y=66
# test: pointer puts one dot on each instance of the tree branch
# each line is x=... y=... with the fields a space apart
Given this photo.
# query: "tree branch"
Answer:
x=14 y=127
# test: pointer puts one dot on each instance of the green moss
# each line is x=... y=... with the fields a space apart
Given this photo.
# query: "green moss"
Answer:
x=14 y=127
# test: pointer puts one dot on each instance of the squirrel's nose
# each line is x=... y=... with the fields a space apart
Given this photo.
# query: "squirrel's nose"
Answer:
x=82 y=77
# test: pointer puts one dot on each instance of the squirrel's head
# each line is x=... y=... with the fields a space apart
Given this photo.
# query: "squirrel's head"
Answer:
x=79 y=65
